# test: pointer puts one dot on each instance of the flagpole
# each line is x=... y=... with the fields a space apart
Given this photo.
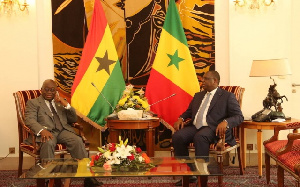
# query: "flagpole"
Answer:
x=100 y=138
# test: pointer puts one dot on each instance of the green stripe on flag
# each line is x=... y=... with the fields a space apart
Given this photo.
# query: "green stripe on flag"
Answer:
x=173 y=23
x=111 y=93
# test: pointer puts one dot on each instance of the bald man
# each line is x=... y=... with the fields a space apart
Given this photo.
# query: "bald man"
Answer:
x=50 y=117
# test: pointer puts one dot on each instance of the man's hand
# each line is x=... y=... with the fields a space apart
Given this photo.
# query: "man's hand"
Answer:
x=60 y=100
x=221 y=129
x=46 y=135
x=178 y=124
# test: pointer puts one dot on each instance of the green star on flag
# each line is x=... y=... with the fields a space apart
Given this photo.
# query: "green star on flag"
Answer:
x=175 y=59
x=176 y=84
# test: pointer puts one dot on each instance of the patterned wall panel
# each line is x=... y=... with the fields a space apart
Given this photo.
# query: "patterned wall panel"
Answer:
x=136 y=26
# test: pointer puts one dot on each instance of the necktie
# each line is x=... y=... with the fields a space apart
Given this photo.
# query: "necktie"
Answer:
x=199 y=120
x=57 y=122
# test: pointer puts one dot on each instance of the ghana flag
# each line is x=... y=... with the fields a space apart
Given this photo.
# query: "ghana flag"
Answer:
x=173 y=72
x=99 y=83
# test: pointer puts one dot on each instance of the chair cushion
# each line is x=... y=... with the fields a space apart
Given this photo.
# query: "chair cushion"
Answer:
x=290 y=159
x=272 y=147
x=277 y=145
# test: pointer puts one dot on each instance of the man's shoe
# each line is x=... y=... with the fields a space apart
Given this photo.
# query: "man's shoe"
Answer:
x=192 y=179
x=91 y=182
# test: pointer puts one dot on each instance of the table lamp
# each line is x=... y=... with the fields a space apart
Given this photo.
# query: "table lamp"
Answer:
x=269 y=68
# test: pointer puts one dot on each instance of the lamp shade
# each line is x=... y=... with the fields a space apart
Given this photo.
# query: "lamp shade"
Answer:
x=267 y=68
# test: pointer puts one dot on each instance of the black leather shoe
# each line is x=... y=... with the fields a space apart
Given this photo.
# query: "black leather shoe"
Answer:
x=91 y=182
x=192 y=179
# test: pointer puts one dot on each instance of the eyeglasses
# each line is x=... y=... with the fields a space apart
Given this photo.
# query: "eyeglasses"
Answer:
x=49 y=89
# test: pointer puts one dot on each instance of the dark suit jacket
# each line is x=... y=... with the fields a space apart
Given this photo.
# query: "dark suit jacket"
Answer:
x=38 y=116
x=223 y=106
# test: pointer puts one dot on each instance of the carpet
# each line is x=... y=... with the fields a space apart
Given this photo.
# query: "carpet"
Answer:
x=8 y=178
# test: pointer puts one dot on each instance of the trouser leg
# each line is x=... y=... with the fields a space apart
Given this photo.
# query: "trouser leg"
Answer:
x=48 y=148
x=181 y=139
x=74 y=144
x=202 y=140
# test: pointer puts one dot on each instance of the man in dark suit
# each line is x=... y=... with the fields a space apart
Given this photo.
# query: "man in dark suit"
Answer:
x=50 y=117
x=213 y=113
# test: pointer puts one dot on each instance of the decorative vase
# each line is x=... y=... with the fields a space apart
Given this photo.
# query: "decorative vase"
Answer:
x=130 y=114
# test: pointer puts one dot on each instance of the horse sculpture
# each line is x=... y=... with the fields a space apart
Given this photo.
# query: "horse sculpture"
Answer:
x=274 y=99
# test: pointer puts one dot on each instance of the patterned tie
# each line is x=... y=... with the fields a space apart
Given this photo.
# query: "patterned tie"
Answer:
x=199 y=120
x=57 y=122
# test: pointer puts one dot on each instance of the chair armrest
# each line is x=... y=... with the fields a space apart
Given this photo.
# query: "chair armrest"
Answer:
x=221 y=144
x=288 y=147
x=79 y=127
x=288 y=126
x=33 y=137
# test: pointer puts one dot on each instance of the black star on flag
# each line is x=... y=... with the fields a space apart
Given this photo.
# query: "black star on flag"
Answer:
x=104 y=63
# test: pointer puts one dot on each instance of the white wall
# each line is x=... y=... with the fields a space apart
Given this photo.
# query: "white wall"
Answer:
x=295 y=58
x=26 y=60
x=263 y=34
x=241 y=36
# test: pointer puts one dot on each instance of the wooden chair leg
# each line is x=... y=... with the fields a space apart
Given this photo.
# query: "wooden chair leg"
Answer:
x=267 y=163
x=51 y=183
x=20 y=162
x=57 y=182
x=40 y=182
x=280 y=176
x=202 y=181
x=67 y=182
x=220 y=162
x=240 y=161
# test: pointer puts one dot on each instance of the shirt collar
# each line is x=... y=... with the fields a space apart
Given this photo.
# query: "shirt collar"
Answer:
x=212 y=92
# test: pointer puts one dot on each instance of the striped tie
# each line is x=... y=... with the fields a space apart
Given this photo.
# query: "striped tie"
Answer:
x=199 y=121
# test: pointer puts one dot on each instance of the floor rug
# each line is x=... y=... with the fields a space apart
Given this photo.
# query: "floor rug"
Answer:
x=8 y=178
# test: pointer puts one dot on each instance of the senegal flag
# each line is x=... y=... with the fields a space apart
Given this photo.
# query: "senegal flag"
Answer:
x=173 y=81
x=99 y=83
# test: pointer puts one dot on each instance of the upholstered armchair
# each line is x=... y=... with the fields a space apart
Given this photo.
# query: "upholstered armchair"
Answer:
x=21 y=97
x=221 y=148
x=284 y=152
x=288 y=159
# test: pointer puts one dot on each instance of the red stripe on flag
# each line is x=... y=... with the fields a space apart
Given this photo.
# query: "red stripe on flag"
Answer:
x=96 y=32
x=159 y=88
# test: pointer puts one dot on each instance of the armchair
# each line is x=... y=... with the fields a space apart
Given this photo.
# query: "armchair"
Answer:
x=275 y=147
x=221 y=148
x=21 y=97
x=288 y=159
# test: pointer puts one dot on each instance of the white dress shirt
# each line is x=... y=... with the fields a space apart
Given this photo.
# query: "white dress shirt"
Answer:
x=207 y=107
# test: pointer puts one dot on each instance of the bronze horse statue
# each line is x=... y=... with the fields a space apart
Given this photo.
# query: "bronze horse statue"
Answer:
x=274 y=99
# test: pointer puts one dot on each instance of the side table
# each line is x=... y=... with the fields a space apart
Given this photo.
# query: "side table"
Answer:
x=148 y=125
x=259 y=126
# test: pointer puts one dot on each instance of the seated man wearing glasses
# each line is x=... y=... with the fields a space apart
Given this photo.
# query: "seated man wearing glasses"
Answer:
x=50 y=117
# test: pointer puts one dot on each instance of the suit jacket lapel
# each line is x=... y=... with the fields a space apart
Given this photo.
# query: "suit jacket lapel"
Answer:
x=45 y=107
x=215 y=99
